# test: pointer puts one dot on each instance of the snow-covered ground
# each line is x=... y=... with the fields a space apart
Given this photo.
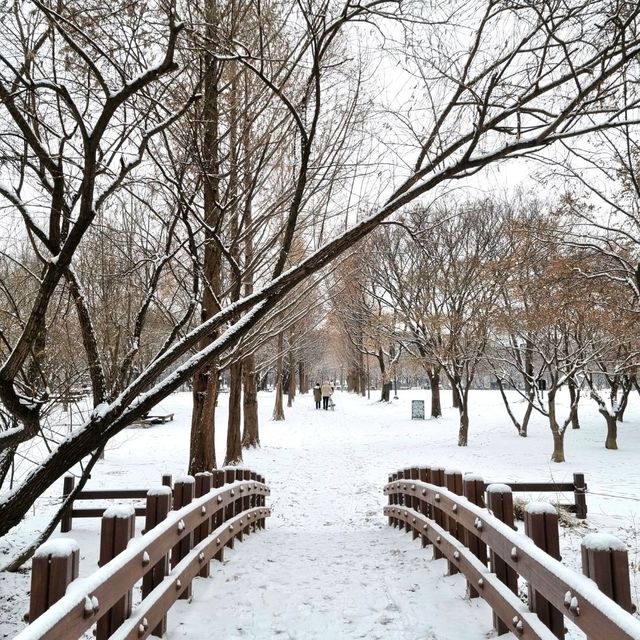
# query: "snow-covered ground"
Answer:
x=328 y=566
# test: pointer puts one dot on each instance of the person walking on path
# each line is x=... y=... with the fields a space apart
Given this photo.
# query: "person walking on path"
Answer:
x=326 y=394
x=317 y=394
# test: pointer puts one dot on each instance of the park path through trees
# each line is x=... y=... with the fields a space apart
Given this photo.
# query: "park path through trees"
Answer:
x=328 y=566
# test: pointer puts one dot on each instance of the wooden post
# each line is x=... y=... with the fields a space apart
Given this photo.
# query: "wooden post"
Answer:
x=390 y=501
x=605 y=560
x=158 y=507
x=230 y=511
x=204 y=483
x=66 y=522
x=541 y=525
x=254 y=477
x=218 y=517
x=425 y=507
x=246 y=501
x=262 y=501
x=415 y=502
x=55 y=564
x=437 y=478
x=473 y=490
x=579 y=495
x=453 y=481
x=183 y=491
x=500 y=503
x=117 y=528
x=395 y=500
x=167 y=480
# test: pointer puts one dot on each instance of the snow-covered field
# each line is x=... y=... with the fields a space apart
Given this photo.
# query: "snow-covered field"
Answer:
x=328 y=566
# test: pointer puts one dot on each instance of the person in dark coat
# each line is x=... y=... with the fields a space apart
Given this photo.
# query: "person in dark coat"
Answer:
x=317 y=394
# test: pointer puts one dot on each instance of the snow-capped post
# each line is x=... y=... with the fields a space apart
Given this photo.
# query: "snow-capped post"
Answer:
x=183 y=490
x=605 y=560
x=437 y=478
x=453 y=482
x=500 y=503
x=116 y=529
x=66 y=522
x=158 y=507
x=579 y=495
x=541 y=525
x=167 y=480
x=55 y=564
x=473 y=491
x=204 y=483
x=230 y=511
x=218 y=517
x=425 y=507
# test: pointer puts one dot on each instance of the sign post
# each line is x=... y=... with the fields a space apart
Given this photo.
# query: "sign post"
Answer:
x=417 y=409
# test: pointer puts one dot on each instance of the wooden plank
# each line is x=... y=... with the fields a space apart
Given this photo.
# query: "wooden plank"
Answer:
x=116 y=494
x=97 y=512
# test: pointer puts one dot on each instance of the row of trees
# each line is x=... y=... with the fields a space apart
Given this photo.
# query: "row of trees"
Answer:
x=177 y=175
x=505 y=288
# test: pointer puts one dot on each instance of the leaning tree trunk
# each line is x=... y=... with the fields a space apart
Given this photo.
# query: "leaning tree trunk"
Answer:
x=234 y=439
x=250 y=435
x=278 y=409
x=434 y=382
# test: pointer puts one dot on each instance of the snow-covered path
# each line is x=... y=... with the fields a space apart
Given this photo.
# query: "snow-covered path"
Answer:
x=328 y=566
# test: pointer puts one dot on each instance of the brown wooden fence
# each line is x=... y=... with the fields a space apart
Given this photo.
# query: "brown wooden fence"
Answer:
x=209 y=512
x=448 y=511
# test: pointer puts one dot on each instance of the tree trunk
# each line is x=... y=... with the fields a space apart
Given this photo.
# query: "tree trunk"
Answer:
x=234 y=439
x=575 y=420
x=558 y=434
x=463 y=432
x=455 y=394
x=205 y=382
x=202 y=456
x=278 y=409
x=434 y=382
x=292 y=380
x=251 y=434
x=612 y=431
x=558 y=445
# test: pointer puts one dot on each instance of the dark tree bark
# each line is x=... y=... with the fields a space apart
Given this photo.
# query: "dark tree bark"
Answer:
x=278 y=409
x=250 y=435
x=434 y=382
x=234 y=439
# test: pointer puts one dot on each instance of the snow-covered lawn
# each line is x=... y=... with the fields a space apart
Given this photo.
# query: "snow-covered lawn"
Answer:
x=328 y=566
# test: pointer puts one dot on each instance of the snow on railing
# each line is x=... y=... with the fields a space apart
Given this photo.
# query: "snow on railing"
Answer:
x=176 y=547
x=447 y=510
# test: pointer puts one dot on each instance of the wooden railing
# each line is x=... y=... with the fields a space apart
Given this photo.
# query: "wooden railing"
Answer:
x=447 y=510
x=176 y=547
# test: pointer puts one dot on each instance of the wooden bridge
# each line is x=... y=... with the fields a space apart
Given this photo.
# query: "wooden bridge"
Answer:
x=466 y=521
